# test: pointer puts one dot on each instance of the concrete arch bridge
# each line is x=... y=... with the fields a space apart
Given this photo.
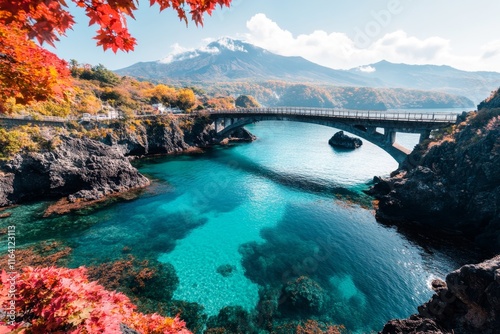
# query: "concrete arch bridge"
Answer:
x=365 y=124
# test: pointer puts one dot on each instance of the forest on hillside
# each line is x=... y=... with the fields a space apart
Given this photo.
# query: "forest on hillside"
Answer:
x=279 y=93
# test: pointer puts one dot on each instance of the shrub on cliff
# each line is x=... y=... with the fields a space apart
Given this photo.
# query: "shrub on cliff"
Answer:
x=246 y=101
x=25 y=138
x=493 y=101
x=59 y=300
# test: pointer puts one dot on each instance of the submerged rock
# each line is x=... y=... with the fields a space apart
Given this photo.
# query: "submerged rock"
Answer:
x=226 y=270
x=303 y=294
x=79 y=169
x=468 y=303
x=231 y=319
x=344 y=141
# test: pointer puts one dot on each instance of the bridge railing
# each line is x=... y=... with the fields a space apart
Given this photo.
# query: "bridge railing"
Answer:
x=297 y=111
x=39 y=118
x=343 y=113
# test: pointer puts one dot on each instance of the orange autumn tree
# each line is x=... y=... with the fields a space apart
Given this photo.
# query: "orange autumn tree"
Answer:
x=28 y=72
x=46 y=20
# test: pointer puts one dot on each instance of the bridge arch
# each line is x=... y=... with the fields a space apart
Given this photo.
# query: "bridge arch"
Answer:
x=363 y=124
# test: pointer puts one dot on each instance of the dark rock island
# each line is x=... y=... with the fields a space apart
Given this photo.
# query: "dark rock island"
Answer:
x=342 y=140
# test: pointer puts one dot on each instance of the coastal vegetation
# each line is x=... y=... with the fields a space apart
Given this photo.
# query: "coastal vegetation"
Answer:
x=97 y=91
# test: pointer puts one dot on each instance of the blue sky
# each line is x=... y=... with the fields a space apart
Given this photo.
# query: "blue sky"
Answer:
x=333 y=33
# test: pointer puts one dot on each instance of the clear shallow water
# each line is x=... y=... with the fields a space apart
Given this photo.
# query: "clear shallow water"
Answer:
x=285 y=206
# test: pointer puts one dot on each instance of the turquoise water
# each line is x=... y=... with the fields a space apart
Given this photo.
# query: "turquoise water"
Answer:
x=285 y=206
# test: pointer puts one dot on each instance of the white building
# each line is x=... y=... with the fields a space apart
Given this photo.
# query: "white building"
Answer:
x=159 y=107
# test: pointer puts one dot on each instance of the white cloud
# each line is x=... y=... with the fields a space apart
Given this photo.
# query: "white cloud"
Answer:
x=367 y=69
x=179 y=53
x=491 y=49
x=229 y=44
x=338 y=50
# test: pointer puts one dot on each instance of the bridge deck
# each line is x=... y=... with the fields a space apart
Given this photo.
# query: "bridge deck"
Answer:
x=294 y=111
x=343 y=114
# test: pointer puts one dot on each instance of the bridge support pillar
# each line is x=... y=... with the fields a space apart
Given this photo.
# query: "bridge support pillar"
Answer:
x=424 y=135
x=390 y=136
x=227 y=122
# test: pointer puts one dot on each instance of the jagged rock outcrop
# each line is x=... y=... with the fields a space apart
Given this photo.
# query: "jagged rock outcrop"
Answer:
x=451 y=184
x=342 y=140
x=467 y=303
x=166 y=135
x=158 y=136
x=493 y=101
x=79 y=168
x=241 y=134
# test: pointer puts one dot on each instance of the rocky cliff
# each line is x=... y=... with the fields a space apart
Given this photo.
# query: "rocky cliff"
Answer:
x=450 y=184
x=167 y=135
x=77 y=168
x=467 y=303
x=161 y=135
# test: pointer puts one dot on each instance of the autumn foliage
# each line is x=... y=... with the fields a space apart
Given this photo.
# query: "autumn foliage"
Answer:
x=30 y=73
x=45 y=20
x=60 y=300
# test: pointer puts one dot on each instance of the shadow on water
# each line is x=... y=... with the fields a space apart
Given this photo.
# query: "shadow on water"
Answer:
x=94 y=234
x=449 y=248
x=294 y=181
x=142 y=236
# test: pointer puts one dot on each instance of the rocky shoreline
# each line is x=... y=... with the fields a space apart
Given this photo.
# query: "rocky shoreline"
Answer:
x=83 y=171
x=451 y=186
x=80 y=169
x=467 y=303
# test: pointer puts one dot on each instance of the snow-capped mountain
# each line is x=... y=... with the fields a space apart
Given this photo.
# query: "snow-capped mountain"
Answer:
x=229 y=60
x=233 y=60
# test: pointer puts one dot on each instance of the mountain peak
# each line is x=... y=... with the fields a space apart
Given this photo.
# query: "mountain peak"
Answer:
x=226 y=43
x=223 y=44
